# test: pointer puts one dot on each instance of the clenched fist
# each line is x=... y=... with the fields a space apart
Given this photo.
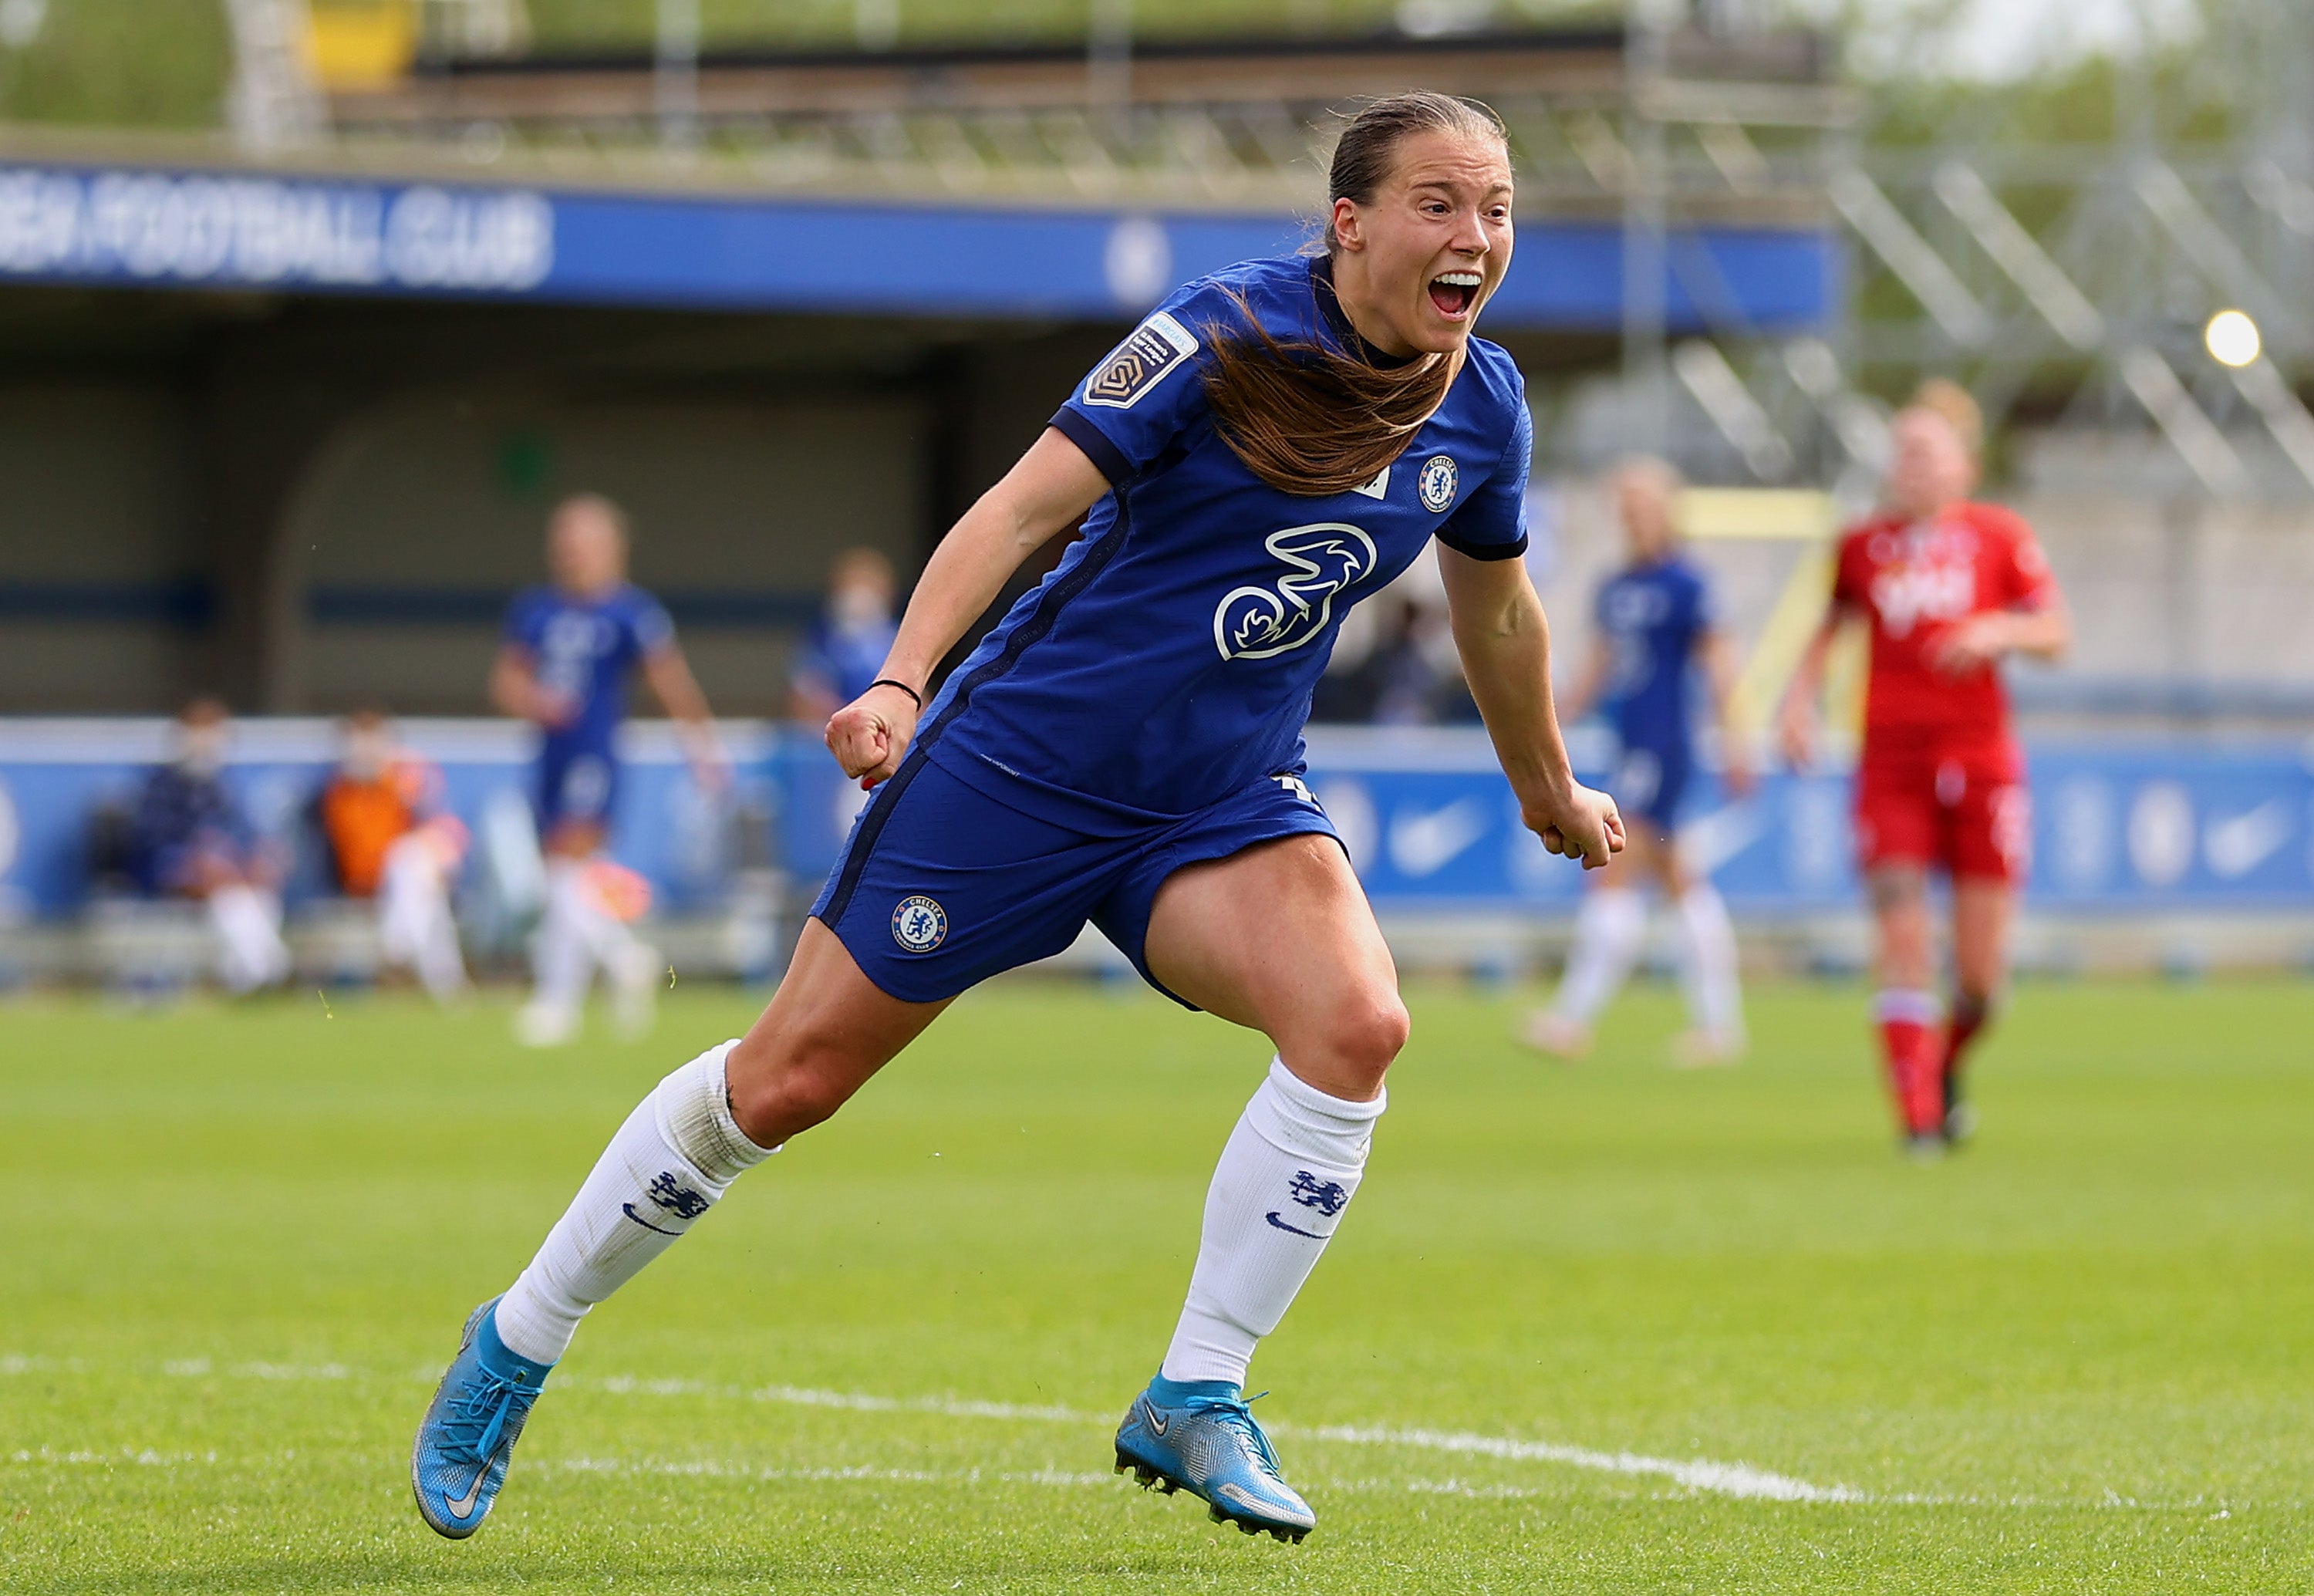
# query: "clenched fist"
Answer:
x=870 y=734
x=1584 y=824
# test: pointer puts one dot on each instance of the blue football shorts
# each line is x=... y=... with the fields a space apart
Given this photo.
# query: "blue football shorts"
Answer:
x=1650 y=783
x=578 y=784
x=942 y=885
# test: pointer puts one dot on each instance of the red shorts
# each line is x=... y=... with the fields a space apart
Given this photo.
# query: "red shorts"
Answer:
x=1968 y=812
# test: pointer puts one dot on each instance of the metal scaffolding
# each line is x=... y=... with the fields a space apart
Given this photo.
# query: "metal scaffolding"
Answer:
x=2066 y=280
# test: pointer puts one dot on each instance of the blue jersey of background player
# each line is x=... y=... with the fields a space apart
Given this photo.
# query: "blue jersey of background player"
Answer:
x=568 y=650
x=1654 y=617
x=1270 y=446
x=1654 y=637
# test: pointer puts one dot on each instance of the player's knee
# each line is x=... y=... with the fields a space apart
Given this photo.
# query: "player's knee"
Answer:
x=1365 y=1036
x=785 y=1097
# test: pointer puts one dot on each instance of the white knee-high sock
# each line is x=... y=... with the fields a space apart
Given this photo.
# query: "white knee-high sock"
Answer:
x=1291 y=1167
x=674 y=1157
x=1609 y=930
x=1714 y=1001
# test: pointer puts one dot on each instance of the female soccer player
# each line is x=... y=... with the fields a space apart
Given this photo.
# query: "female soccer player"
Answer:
x=1654 y=629
x=563 y=665
x=1124 y=747
x=1949 y=588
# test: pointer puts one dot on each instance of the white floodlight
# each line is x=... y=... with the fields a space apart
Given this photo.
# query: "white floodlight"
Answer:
x=2233 y=339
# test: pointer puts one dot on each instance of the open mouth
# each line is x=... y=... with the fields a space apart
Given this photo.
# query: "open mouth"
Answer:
x=1453 y=293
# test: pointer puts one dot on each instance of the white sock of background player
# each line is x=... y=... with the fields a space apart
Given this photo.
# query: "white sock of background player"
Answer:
x=1707 y=966
x=1610 y=929
x=415 y=926
x=248 y=924
x=669 y=1163
x=575 y=934
x=1288 y=1170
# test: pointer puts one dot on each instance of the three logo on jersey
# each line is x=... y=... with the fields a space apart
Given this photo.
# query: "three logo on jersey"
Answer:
x=1322 y=560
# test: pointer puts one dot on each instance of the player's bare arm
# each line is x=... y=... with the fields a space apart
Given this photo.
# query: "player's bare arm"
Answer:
x=1047 y=490
x=1716 y=653
x=1590 y=681
x=2045 y=633
x=677 y=691
x=515 y=691
x=1504 y=639
x=1797 y=722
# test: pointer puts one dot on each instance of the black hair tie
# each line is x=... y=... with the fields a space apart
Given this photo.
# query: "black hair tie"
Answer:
x=903 y=686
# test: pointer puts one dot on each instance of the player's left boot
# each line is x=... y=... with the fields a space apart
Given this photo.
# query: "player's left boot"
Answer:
x=467 y=1437
x=1200 y=1437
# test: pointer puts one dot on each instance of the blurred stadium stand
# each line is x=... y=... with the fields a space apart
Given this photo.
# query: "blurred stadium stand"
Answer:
x=284 y=412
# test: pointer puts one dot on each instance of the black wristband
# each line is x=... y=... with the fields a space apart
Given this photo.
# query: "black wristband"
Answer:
x=903 y=686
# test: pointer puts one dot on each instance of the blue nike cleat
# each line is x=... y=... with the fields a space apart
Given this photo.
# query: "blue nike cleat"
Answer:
x=1199 y=1436
x=467 y=1437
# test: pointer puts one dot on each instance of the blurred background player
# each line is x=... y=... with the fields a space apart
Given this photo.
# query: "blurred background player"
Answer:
x=850 y=639
x=1654 y=628
x=562 y=666
x=1949 y=588
x=391 y=839
x=192 y=839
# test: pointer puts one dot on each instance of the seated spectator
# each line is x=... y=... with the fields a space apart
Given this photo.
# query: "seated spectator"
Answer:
x=392 y=840
x=1408 y=676
x=190 y=838
x=849 y=641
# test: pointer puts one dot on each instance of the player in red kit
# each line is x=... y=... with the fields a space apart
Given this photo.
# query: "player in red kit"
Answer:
x=1948 y=588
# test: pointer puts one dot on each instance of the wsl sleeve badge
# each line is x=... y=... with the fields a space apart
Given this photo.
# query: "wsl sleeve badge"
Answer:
x=919 y=925
x=1140 y=362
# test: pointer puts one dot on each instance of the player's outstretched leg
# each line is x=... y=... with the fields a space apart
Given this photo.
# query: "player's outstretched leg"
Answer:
x=1286 y=1174
x=673 y=1158
x=1327 y=998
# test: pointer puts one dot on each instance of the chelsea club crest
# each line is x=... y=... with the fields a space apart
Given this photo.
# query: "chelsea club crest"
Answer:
x=1437 y=482
x=919 y=925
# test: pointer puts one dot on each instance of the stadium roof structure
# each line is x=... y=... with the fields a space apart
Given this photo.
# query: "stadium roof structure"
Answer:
x=1004 y=182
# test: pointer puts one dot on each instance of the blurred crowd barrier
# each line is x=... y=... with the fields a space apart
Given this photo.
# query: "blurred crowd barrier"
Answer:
x=2149 y=853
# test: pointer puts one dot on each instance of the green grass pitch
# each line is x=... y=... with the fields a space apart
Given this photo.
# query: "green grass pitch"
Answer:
x=239 y=1243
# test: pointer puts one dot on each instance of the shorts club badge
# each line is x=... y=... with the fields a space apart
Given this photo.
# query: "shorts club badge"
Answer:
x=919 y=925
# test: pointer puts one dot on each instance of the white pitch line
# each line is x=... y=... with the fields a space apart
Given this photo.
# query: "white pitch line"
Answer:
x=1697 y=1474
x=1740 y=1480
x=1700 y=1474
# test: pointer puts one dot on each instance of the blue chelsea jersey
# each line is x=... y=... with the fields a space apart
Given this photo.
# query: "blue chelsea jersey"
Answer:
x=584 y=649
x=1652 y=617
x=1169 y=659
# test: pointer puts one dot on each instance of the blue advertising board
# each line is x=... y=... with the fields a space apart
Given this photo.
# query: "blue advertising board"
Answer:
x=2119 y=827
x=184 y=228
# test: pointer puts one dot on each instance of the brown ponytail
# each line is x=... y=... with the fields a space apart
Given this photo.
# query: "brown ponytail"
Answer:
x=1312 y=420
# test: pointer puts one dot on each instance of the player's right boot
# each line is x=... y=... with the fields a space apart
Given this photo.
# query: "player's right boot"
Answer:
x=467 y=1436
x=1200 y=1437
